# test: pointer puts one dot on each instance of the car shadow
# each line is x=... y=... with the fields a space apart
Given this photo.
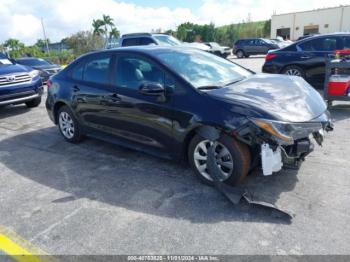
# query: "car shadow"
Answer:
x=121 y=177
x=6 y=111
x=340 y=112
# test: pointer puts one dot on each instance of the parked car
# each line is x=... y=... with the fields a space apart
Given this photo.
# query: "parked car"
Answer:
x=141 y=39
x=19 y=84
x=45 y=68
x=280 y=42
x=159 y=99
x=305 y=36
x=216 y=49
x=259 y=46
x=306 y=58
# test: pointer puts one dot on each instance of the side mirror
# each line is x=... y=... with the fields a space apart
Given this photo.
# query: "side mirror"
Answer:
x=152 y=89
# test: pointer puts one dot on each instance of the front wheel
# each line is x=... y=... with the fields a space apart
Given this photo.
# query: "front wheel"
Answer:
x=232 y=157
x=68 y=125
x=34 y=102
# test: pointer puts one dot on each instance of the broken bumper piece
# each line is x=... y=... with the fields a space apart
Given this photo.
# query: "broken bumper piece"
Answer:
x=272 y=160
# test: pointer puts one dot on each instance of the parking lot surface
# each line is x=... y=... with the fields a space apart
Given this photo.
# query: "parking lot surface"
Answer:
x=98 y=198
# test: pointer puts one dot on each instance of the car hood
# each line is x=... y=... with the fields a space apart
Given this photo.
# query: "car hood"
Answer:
x=197 y=45
x=13 y=68
x=283 y=98
x=44 y=67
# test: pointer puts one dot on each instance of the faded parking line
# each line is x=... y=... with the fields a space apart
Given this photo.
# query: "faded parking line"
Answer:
x=20 y=249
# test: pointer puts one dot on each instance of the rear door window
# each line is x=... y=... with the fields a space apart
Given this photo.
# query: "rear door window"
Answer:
x=326 y=44
x=96 y=69
x=131 y=42
x=77 y=72
x=346 y=41
x=146 y=41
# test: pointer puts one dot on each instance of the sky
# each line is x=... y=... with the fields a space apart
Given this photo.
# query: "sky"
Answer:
x=21 y=19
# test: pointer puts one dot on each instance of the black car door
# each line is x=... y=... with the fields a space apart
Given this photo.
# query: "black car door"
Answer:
x=313 y=54
x=92 y=90
x=141 y=119
x=261 y=46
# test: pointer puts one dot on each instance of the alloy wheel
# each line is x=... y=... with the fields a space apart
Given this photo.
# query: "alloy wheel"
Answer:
x=293 y=72
x=66 y=125
x=223 y=156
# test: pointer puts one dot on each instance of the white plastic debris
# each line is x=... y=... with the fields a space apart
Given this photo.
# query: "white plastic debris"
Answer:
x=271 y=160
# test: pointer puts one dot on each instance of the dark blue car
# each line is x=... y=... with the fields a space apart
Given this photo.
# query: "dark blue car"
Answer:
x=306 y=58
x=162 y=100
x=19 y=84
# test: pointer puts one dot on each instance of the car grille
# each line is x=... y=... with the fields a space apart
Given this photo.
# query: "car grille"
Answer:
x=15 y=79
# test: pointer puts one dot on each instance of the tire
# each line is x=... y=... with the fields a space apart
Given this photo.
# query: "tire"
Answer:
x=246 y=56
x=68 y=125
x=294 y=71
x=329 y=104
x=34 y=102
x=240 y=54
x=238 y=154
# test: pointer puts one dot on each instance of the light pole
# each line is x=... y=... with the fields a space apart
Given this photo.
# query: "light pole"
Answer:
x=45 y=38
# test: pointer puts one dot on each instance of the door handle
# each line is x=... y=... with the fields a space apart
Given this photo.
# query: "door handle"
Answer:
x=111 y=98
x=76 y=89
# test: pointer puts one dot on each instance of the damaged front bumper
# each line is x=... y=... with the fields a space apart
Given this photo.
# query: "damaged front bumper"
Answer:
x=283 y=144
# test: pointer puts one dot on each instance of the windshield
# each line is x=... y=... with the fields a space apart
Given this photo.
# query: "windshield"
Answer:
x=213 y=44
x=202 y=69
x=167 y=40
x=268 y=41
x=33 y=62
x=4 y=60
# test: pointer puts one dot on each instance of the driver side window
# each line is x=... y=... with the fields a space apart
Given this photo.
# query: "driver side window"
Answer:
x=132 y=71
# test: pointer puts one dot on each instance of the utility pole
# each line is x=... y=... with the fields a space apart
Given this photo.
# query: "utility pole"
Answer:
x=47 y=43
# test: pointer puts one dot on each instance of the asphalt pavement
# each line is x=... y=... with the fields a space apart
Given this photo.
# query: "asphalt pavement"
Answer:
x=98 y=198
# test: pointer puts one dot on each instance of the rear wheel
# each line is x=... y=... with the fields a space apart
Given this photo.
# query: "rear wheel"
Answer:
x=240 y=54
x=232 y=157
x=68 y=125
x=34 y=102
x=294 y=71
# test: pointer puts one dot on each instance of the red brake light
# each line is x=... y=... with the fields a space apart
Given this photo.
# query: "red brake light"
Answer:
x=49 y=84
x=270 y=56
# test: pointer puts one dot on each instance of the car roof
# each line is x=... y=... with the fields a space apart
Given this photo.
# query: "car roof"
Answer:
x=28 y=58
x=141 y=34
x=321 y=36
x=147 y=49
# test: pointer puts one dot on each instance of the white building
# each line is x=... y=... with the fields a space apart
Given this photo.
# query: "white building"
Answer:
x=322 y=21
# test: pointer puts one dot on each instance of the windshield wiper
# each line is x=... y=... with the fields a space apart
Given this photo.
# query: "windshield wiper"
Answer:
x=208 y=87
x=236 y=81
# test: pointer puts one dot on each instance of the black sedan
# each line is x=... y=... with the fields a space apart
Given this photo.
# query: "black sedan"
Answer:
x=161 y=100
x=45 y=68
x=216 y=49
x=306 y=58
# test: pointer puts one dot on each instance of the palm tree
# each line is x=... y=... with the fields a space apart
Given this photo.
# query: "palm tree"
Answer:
x=97 y=27
x=114 y=33
x=15 y=46
x=107 y=21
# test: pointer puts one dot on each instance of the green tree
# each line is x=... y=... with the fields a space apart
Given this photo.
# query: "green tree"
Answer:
x=83 y=42
x=114 y=33
x=105 y=27
x=97 y=27
x=15 y=47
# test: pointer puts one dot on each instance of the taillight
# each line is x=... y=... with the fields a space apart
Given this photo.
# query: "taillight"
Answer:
x=270 y=56
x=49 y=84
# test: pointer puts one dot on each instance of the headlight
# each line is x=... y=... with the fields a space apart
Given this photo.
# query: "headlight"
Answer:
x=34 y=73
x=288 y=132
